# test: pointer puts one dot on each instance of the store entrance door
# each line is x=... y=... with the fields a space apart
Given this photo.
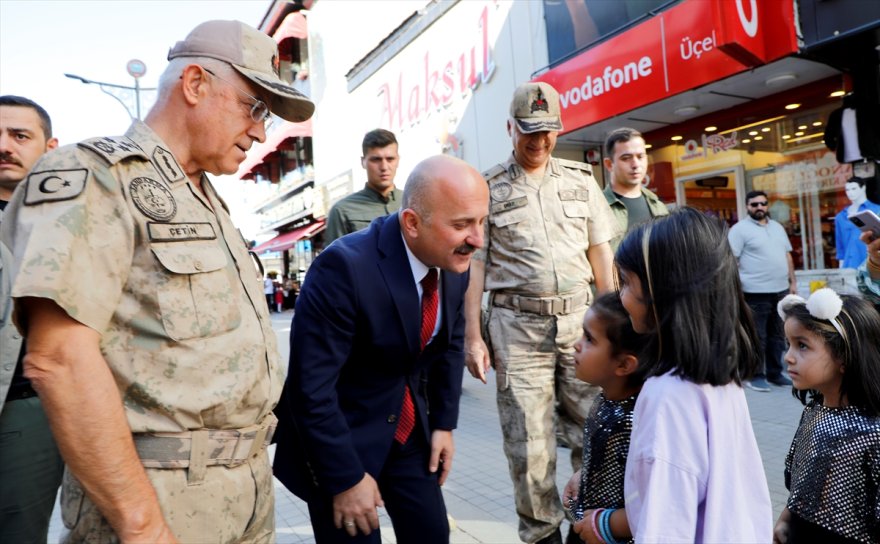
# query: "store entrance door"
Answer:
x=714 y=193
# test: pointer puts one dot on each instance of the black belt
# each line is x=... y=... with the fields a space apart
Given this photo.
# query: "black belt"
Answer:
x=20 y=391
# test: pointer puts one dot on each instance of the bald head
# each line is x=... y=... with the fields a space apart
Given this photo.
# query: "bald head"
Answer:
x=445 y=202
x=434 y=176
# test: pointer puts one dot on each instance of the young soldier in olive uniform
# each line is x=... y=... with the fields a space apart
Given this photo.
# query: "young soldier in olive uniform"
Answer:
x=149 y=339
x=378 y=198
x=547 y=240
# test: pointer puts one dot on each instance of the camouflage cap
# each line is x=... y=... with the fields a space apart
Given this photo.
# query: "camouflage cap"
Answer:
x=254 y=55
x=535 y=107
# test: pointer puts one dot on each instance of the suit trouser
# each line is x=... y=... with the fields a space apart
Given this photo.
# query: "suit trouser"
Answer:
x=30 y=472
x=412 y=497
x=537 y=391
x=230 y=504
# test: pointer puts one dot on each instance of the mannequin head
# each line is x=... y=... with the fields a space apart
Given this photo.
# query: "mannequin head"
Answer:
x=856 y=190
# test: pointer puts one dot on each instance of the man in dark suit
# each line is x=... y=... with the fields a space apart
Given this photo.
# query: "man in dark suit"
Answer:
x=370 y=352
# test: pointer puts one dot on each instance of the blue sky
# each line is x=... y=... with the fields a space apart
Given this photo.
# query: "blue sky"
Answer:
x=42 y=40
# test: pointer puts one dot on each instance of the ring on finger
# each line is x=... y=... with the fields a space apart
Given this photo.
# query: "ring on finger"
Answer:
x=348 y=523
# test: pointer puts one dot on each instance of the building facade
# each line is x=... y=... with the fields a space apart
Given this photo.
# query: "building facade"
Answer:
x=732 y=95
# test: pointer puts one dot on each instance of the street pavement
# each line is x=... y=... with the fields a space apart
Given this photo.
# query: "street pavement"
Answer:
x=478 y=492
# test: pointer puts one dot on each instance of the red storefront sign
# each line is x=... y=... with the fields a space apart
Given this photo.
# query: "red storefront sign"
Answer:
x=691 y=44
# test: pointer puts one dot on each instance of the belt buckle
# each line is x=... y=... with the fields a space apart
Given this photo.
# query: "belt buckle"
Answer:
x=547 y=306
x=567 y=304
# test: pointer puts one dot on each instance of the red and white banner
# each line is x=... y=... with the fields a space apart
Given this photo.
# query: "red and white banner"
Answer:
x=689 y=45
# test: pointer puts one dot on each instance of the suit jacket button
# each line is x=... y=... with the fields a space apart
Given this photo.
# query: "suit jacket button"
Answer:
x=392 y=418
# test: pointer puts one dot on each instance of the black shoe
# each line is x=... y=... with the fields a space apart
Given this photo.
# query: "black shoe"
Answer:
x=781 y=380
x=553 y=538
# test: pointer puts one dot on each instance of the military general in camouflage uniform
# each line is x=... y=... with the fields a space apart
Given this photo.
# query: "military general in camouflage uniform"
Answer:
x=547 y=240
x=149 y=340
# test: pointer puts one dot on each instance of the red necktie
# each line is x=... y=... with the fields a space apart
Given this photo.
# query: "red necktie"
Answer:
x=430 y=302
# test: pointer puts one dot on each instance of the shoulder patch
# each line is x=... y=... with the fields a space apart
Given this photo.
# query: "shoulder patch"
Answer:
x=577 y=165
x=55 y=185
x=494 y=172
x=152 y=198
x=113 y=149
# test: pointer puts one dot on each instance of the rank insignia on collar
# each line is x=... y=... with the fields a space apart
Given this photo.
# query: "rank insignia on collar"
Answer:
x=164 y=162
x=539 y=103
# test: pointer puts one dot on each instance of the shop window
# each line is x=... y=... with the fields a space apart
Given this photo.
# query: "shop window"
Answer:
x=783 y=156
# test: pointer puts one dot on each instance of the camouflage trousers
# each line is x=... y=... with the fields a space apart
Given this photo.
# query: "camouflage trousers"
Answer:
x=228 y=505
x=538 y=395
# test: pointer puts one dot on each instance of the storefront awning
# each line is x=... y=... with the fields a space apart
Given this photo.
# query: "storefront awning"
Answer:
x=259 y=151
x=293 y=26
x=287 y=240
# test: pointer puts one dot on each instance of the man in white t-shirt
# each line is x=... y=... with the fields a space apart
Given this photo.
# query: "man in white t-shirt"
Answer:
x=766 y=269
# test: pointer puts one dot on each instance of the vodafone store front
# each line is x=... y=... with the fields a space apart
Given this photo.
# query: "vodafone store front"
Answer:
x=726 y=105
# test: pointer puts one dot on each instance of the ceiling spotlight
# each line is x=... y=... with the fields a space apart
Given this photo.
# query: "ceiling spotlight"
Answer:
x=780 y=80
x=798 y=133
x=835 y=94
x=817 y=123
x=765 y=129
x=648 y=146
x=686 y=111
x=710 y=129
x=785 y=136
x=758 y=138
x=676 y=138
x=753 y=133
x=802 y=127
x=746 y=141
x=792 y=106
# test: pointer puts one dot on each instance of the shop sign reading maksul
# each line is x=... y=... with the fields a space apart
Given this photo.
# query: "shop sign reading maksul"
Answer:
x=439 y=76
x=691 y=44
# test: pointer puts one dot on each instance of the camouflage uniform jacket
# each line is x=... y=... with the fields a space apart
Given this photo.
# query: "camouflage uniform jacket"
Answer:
x=655 y=206
x=538 y=231
x=114 y=232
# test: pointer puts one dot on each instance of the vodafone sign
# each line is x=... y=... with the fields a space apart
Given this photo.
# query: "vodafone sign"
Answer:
x=692 y=44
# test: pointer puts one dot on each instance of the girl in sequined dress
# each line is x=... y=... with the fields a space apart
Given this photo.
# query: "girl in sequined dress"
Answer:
x=605 y=356
x=833 y=466
x=693 y=472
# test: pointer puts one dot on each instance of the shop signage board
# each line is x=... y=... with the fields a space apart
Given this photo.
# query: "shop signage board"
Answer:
x=441 y=74
x=689 y=45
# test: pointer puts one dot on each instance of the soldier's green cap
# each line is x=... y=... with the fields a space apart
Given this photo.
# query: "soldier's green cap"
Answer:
x=535 y=108
x=254 y=55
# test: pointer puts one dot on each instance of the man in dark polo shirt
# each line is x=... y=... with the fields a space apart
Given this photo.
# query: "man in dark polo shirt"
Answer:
x=378 y=197
x=627 y=162
x=30 y=465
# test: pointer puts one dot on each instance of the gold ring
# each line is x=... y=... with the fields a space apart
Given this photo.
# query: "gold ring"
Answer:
x=348 y=523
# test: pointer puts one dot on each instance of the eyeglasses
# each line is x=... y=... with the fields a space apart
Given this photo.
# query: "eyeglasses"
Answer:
x=756 y=204
x=259 y=110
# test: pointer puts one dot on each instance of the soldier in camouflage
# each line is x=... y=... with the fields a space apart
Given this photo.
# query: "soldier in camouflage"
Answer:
x=149 y=341
x=546 y=241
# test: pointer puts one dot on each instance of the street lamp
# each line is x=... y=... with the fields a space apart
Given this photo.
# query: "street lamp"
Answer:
x=136 y=69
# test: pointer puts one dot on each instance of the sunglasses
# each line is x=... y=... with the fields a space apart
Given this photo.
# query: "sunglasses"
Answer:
x=756 y=204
